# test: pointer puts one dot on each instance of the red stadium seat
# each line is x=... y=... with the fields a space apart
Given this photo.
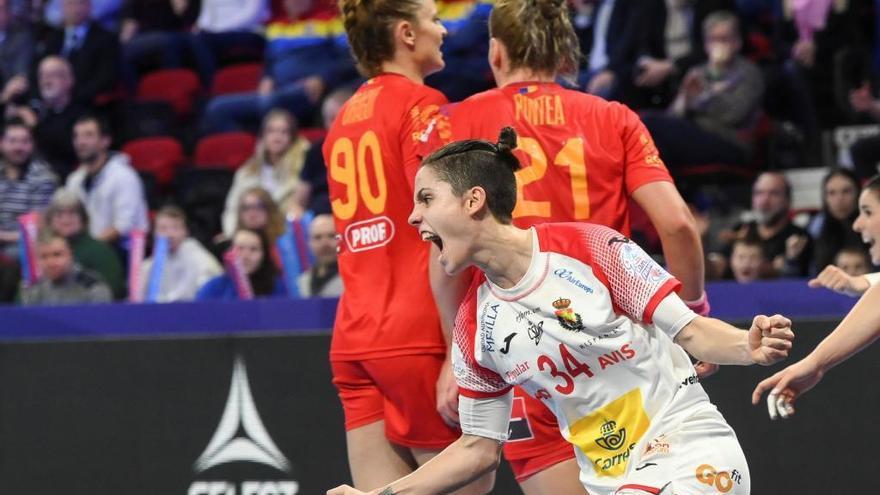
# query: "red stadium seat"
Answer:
x=228 y=149
x=239 y=78
x=158 y=156
x=313 y=133
x=178 y=87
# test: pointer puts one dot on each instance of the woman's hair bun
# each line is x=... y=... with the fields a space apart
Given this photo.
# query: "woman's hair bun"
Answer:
x=506 y=140
x=505 y=146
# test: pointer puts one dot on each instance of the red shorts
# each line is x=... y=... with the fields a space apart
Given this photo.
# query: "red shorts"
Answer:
x=535 y=442
x=400 y=390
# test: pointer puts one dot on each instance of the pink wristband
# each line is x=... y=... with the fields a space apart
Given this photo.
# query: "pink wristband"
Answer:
x=700 y=306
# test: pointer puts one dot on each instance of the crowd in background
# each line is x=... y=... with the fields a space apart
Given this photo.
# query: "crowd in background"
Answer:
x=198 y=125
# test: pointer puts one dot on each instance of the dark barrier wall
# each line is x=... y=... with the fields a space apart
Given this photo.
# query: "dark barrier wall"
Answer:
x=258 y=416
x=148 y=417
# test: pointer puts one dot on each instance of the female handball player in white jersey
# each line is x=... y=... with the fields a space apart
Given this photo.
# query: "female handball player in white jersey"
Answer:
x=584 y=320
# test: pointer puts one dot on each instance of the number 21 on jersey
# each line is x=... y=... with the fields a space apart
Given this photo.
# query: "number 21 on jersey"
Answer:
x=572 y=156
x=359 y=168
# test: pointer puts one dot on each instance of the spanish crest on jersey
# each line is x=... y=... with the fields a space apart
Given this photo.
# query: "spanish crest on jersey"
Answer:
x=566 y=316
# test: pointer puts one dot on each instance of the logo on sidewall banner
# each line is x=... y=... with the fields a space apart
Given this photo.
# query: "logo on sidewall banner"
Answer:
x=242 y=437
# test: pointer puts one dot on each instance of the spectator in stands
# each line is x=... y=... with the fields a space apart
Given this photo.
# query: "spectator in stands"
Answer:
x=831 y=228
x=62 y=281
x=110 y=188
x=747 y=261
x=20 y=10
x=16 y=50
x=810 y=40
x=671 y=43
x=26 y=182
x=10 y=278
x=93 y=52
x=787 y=246
x=609 y=34
x=153 y=28
x=188 y=265
x=224 y=26
x=866 y=151
x=854 y=261
x=275 y=166
x=305 y=57
x=67 y=216
x=104 y=12
x=256 y=211
x=322 y=279
x=52 y=114
x=253 y=249
x=314 y=192
x=464 y=50
x=717 y=104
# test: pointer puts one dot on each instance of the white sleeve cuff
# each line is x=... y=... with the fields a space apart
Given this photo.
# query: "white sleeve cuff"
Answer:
x=873 y=278
x=489 y=417
x=672 y=314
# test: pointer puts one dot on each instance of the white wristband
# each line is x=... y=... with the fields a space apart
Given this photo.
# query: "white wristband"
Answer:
x=873 y=278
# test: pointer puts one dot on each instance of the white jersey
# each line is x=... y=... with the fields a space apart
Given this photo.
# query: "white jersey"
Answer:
x=577 y=333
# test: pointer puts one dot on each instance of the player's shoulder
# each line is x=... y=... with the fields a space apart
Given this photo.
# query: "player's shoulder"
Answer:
x=475 y=278
x=573 y=230
x=484 y=98
x=577 y=239
x=588 y=103
x=423 y=93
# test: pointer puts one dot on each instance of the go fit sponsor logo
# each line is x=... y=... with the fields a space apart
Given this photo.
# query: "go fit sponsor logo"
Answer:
x=723 y=481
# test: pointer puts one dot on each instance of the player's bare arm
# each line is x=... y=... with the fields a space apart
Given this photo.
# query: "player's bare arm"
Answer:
x=833 y=278
x=467 y=459
x=768 y=341
x=682 y=246
x=858 y=329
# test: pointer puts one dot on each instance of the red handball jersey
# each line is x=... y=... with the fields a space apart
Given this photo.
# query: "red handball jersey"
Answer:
x=582 y=156
x=372 y=152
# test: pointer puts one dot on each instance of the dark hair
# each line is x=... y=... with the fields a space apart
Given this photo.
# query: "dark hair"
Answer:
x=15 y=122
x=172 y=211
x=537 y=34
x=263 y=279
x=750 y=241
x=873 y=185
x=785 y=183
x=369 y=25
x=721 y=17
x=103 y=125
x=856 y=250
x=476 y=163
x=835 y=234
